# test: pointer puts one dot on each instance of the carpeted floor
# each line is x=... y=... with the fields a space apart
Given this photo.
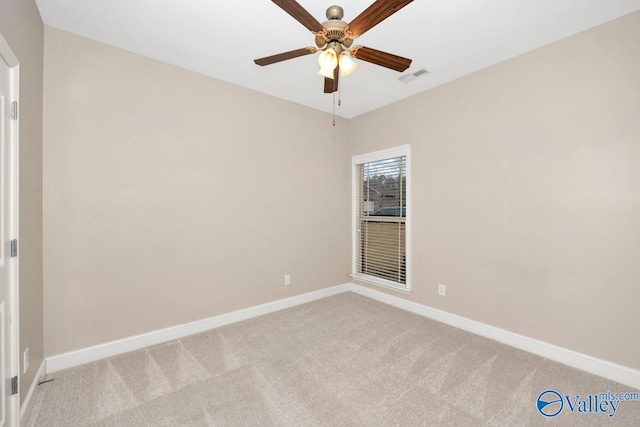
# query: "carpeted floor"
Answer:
x=341 y=361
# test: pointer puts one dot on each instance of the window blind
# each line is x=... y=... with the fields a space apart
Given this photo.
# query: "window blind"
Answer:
x=381 y=193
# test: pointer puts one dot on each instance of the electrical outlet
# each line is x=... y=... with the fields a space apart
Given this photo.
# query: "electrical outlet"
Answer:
x=442 y=290
x=287 y=279
x=25 y=364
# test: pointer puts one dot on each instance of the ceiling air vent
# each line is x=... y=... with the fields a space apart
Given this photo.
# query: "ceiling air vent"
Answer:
x=410 y=77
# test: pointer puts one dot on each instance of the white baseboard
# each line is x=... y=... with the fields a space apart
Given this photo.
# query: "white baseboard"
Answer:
x=603 y=368
x=593 y=365
x=30 y=398
x=113 y=348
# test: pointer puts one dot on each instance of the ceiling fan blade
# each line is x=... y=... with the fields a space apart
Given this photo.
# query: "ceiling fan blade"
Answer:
x=300 y=14
x=331 y=85
x=374 y=14
x=267 y=60
x=378 y=57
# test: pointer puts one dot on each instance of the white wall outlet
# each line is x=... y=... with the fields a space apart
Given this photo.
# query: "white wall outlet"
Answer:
x=442 y=290
x=287 y=279
x=25 y=361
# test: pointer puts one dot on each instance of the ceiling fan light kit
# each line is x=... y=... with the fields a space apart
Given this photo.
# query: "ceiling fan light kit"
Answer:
x=335 y=37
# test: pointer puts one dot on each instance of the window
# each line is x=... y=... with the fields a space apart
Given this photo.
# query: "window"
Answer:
x=381 y=194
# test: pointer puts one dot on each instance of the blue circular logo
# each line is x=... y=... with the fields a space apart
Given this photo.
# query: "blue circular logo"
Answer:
x=550 y=403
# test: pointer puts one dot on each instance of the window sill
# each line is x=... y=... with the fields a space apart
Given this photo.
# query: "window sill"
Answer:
x=388 y=284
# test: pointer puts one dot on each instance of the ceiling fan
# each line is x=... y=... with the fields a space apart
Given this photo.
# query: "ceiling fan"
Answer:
x=334 y=38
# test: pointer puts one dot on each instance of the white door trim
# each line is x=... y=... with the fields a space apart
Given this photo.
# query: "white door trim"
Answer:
x=7 y=55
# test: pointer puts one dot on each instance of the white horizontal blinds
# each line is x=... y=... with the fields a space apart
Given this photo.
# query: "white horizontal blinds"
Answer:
x=381 y=217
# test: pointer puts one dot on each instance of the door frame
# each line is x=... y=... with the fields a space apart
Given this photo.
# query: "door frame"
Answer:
x=7 y=55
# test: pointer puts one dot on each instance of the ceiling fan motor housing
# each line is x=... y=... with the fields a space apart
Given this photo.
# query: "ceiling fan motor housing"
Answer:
x=334 y=29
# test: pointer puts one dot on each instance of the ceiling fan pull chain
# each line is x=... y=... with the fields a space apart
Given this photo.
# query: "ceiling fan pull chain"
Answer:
x=334 y=108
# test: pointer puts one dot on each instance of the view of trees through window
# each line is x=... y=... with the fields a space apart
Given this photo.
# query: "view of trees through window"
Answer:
x=385 y=191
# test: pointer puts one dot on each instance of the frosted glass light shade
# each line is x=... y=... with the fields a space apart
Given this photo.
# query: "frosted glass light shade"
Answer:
x=326 y=72
x=347 y=66
x=328 y=59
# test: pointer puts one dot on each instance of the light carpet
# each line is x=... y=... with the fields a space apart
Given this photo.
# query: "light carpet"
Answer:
x=345 y=360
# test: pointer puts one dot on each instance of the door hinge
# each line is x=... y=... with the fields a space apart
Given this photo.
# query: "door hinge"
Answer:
x=14 y=110
x=14 y=385
x=14 y=248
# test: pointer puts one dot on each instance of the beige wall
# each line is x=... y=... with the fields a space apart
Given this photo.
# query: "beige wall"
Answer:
x=22 y=28
x=171 y=197
x=526 y=191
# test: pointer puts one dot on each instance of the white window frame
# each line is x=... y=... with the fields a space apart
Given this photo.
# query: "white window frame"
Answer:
x=399 y=151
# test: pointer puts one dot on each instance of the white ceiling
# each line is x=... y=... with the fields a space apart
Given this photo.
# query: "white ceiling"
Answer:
x=450 y=38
